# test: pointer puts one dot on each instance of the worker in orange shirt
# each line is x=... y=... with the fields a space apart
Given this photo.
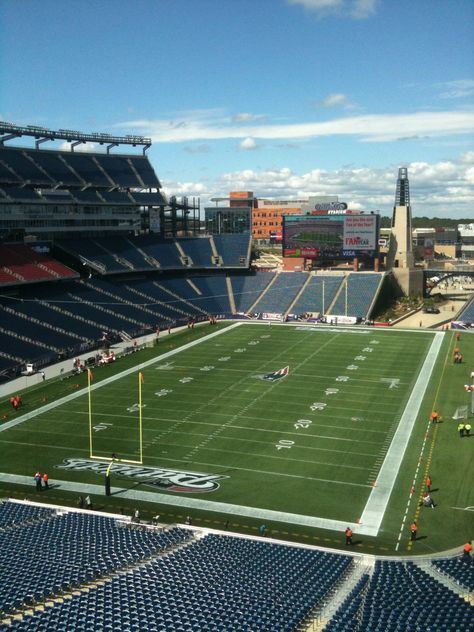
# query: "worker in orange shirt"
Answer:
x=348 y=535
x=46 y=481
x=434 y=417
x=466 y=552
x=413 y=531
x=428 y=483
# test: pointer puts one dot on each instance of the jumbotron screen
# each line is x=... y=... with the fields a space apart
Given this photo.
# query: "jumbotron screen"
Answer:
x=330 y=236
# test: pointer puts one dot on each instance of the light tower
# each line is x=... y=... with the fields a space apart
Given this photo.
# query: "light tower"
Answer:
x=400 y=252
x=400 y=258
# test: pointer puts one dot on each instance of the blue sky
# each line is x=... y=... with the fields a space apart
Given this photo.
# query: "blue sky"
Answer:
x=285 y=98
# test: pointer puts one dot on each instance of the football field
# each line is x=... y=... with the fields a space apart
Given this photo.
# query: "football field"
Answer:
x=293 y=424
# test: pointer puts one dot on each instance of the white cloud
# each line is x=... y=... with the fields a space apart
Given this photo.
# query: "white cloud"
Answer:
x=368 y=128
x=248 y=144
x=198 y=149
x=458 y=89
x=444 y=188
x=245 y=117
x=358 y=9
x=337 y=99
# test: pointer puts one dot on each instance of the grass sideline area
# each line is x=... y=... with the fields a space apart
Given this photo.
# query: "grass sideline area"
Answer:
x=250 y=444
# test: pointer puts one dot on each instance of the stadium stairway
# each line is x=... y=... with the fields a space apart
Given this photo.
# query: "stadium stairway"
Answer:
x=338 y=595
x=149 y=260
x=295 y=300
x=231 y=294
x=125 y=263
x=215 y=254
x=260 y=296
x=337 y=294
x=185 y=259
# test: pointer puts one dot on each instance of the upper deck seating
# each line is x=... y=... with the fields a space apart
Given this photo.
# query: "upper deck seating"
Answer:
x=7 y=176
x=164 y=251
x=116 y=197
x=17 y=161
x=87 y=197
x=148 y=199
x=60 y=197
x=92 y=251
x=145 y=171
x=198 y=249
x=18 y=194
x=234 y=249
x=87 y=169
x=118 y=168
x=57 y=170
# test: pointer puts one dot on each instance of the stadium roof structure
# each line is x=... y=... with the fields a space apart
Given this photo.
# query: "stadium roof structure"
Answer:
x=9 y=131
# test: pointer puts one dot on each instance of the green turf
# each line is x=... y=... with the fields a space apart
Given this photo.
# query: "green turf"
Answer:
x=290 y=445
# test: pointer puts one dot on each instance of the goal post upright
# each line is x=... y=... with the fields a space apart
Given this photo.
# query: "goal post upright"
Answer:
x=89 y=379
x=115 y=459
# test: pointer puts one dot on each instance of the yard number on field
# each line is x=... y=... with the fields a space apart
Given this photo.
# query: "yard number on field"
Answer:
x=101 y=426
x=284 y=443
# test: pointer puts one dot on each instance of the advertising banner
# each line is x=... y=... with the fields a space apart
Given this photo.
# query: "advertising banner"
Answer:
x=330 y=236
x=360 y=232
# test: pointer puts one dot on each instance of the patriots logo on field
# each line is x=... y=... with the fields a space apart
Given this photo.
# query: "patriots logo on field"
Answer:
x=275 y=375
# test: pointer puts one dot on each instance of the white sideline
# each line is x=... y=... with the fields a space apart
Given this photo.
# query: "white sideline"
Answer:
x=377 y=502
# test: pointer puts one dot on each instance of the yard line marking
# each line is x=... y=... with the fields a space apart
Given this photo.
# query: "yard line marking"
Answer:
x=377 y=502
x=113 y=378
x=253 y=427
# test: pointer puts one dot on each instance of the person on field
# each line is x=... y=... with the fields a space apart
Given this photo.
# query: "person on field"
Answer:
x=466 y=552
x=413 y=531
x=38 y=481
x=348 y=534
x=428 y=501
x=467 y=429
x=428 y=484
x=46 y=481
x=434 y=417
x=461 y=428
